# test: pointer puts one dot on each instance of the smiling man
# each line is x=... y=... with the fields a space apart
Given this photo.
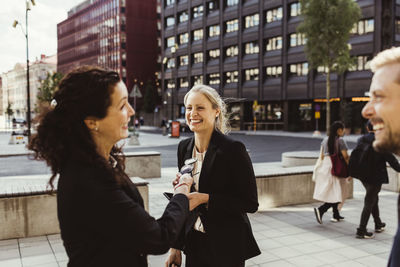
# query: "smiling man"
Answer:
x=383 y=110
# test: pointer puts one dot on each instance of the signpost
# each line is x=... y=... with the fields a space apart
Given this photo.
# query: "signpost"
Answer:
x=255 y=106
x=134 y=93
x=317 y=116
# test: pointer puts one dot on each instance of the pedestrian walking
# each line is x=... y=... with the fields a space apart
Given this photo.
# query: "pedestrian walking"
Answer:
x=383 y=111
x=328 y=187
x=370 y=167
x=219 y=233
x=164 y=126
x=100 y=211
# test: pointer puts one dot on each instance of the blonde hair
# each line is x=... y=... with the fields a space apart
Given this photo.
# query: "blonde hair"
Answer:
x=221 y=122
x=388 y=56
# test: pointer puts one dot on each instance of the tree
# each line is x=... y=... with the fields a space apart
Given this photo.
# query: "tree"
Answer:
x=48 y=87
x=327 y=25
x=9 y=111
x=150 y=97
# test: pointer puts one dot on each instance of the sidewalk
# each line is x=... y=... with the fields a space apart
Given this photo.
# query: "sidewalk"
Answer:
x=287 y=236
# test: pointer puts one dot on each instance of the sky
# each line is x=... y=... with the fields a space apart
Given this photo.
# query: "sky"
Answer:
x=42 y=25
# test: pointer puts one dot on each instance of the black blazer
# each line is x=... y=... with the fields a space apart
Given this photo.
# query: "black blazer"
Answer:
x=227 y=176
x=104 y=224
x=378 y=173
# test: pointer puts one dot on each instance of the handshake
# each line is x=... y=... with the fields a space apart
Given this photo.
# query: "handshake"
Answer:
x=183 y=184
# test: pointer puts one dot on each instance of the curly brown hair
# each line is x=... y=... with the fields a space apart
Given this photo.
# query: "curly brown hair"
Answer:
x=62 y=134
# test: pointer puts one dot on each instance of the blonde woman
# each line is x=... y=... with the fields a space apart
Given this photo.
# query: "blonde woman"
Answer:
x=219 y=233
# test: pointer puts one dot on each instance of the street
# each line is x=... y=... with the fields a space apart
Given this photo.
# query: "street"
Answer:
x=262 y=148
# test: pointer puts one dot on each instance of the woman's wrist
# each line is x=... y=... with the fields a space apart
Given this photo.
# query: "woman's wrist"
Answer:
x=182 y=188
x=179 y=185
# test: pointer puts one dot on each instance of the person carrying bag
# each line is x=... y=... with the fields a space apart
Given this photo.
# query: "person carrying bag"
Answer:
x=328 y=188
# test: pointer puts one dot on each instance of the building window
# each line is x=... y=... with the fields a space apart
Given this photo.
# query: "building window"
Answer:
x=232 y=51
x=183 y=38
x=361 y=64
x=183 y=82
x=197 y=58
x=397 y=25
x=251 y=48
x=274 y=14
x=297 y=39
x=363 y=27
x=232 y=3
x=295 y=9
x=171 y=63
x=213 y=31
x=322 y=69
x=197 y=35
x=213 y=78
x=183 y=60
x=170 y=21
x=197 y=11
x=232 y=25
x=169 y=2
x=251 y=20
x=171 y=41
x=213 y=54
x=171 y=84
x=274 y=43
x=183 y=16
x=299 y=69
x=198 y=79
x=212 y=6
x=274 y=71
x=231 y=76
x=251 y=75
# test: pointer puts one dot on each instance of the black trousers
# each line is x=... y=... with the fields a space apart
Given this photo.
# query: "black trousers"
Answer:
x=199 y=253
x=324 y=207
x=370 y=204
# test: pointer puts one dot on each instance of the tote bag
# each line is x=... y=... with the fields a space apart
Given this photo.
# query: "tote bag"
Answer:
x=339 y=165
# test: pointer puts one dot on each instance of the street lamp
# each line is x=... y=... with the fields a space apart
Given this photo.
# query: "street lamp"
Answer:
x=28 y=94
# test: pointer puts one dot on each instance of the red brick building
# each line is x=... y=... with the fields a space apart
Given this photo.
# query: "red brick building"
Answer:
x=115 y=34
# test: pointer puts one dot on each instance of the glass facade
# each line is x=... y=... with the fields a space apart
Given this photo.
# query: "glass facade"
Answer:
x=95 y=37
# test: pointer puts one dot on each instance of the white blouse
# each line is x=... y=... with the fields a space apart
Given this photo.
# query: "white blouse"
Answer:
x=197 y=171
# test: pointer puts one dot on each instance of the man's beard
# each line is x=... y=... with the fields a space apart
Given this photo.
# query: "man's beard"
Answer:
x=389 y=143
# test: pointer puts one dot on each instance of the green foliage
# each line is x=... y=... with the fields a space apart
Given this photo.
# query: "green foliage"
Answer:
x=48 y=87
x=327 y=25
x=150 y=97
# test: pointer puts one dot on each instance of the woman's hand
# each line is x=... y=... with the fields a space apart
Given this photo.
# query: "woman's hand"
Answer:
x=183 y=187
x=174 y=258
x=176 y=181
x=196 y=199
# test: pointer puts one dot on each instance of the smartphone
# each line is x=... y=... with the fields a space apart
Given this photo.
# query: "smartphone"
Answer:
x=168 y=195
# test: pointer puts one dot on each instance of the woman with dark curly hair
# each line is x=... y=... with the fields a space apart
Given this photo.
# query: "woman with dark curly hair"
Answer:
x=101 y=214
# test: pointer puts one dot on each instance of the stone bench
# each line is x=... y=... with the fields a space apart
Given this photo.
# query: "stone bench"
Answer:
x=26 y=208
x=145 y=164
x=286 y=186
x=303 y=158
x=299 y=158
x=394 y=180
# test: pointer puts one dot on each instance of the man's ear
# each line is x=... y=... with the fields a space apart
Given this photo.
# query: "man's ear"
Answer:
x=91 y=123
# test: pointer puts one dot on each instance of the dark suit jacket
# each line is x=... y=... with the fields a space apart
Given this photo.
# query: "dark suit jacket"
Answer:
x=227 y=176
x=104 y=224
x=378 y=172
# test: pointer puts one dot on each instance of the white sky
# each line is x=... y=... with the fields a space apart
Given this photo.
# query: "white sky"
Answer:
x=42 y=23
